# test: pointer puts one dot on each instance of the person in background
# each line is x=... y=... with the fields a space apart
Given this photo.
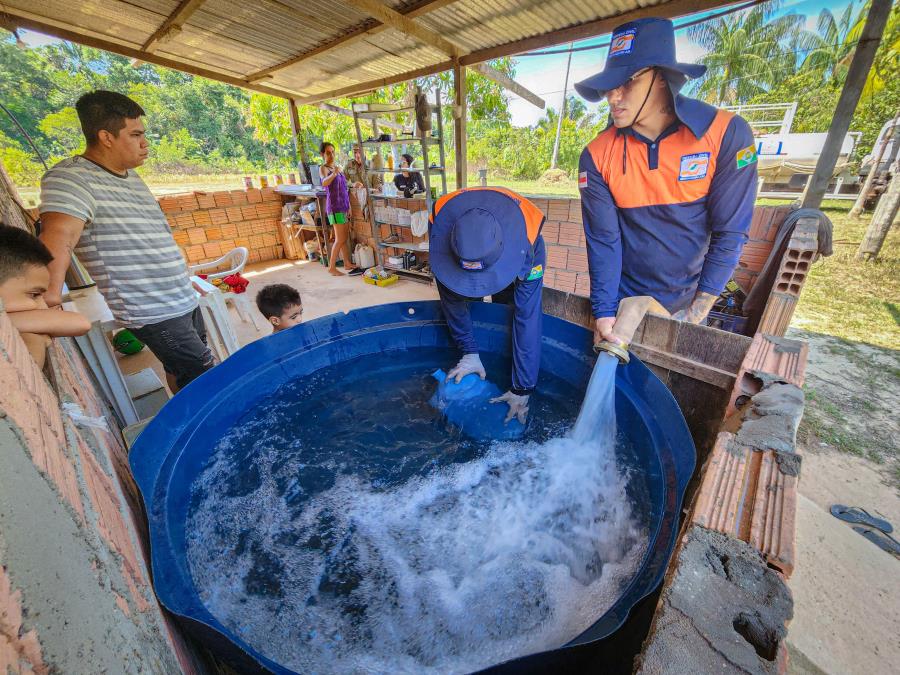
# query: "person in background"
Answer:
x=487 y=241
x=281 y=306
x=24 y=279
x=408 y=182
x=667 y=190
x=96 y=205
x=357 y=175
x=337 y=209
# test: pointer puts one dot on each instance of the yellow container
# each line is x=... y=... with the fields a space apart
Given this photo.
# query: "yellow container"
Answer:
x=393 y=279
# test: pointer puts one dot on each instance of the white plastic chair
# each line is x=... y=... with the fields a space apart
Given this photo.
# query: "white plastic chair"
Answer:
x=236 y=258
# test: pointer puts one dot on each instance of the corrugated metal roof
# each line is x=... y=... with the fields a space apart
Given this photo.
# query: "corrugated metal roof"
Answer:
x=310 y=48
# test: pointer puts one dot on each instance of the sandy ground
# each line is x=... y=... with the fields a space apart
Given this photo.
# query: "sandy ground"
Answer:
x=847 y=590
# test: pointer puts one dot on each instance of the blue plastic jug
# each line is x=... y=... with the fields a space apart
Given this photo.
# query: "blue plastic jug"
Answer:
x=467 y=406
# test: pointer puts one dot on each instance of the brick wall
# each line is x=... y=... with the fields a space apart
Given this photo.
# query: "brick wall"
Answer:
x=206 y=225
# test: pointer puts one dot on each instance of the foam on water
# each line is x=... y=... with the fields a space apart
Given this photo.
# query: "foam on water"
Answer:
x=450 y=569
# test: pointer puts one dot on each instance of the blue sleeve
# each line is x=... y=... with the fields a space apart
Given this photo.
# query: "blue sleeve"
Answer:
x=456 y=311
x=527 y=327
x=603 y=237
x=732 y=194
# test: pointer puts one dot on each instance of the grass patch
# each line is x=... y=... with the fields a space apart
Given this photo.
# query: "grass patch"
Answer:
x=848 y=298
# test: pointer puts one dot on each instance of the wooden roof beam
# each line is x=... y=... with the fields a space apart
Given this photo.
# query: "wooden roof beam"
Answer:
x=669 y=9
x=349 y=113
x=172 y=26
x=371 y=85
x=421 y=8
x=397 y=21
x=508 y=83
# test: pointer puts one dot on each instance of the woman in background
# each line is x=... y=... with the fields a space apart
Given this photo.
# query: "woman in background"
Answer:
x=408 y=182
x=337 y=208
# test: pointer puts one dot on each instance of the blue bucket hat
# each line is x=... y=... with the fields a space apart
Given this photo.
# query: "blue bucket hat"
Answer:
x=634 y=46
x=478 y=242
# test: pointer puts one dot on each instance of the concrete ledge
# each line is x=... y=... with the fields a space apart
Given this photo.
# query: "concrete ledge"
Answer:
x=723 y=610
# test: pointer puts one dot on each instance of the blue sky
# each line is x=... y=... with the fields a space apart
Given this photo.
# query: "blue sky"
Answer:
x=544 y=74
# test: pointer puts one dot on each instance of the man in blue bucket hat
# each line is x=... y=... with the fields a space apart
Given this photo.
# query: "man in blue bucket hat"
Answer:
x=667 y=190
x=487 y=241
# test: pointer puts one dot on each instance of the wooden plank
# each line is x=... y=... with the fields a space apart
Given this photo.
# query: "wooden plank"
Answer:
x=89 y=39
x=172 y=25
x=371 y=28
x=459 y=122
x=510 y=84
x=697 y=370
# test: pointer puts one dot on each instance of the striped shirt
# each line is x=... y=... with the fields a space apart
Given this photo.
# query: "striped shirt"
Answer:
x=126 y=245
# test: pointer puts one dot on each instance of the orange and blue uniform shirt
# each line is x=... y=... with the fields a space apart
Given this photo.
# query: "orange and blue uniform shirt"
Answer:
x=667 y=217
x=525 y=290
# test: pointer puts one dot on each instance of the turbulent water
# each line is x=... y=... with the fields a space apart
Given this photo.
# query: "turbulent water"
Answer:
x=344 y=528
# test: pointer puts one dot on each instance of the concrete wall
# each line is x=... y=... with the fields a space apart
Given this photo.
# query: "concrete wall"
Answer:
x=75 y=594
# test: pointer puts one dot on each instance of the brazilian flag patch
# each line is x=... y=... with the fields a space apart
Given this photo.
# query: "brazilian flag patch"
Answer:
x=746 y=157
x=536 y=273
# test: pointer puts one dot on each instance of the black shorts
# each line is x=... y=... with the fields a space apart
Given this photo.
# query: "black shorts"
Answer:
x=180 y=344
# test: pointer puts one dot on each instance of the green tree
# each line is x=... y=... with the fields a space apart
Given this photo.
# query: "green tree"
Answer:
x=747 y=53
x=828 y=50
x=64 y=130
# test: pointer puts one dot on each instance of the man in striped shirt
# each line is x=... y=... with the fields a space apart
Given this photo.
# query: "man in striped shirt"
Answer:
x=96 y=205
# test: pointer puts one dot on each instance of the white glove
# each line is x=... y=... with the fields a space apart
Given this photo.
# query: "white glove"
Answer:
x=518 y=406
x=470 y=363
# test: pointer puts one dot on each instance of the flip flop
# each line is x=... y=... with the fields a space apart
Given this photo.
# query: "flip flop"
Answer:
x=883 y=541
x=857 y=515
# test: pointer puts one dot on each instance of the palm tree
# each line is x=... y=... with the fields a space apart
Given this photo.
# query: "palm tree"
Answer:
x=746 y=53
x=885 y=67
x=829 y=49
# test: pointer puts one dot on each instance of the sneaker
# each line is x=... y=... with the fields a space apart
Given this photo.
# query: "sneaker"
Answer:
x=356 y=271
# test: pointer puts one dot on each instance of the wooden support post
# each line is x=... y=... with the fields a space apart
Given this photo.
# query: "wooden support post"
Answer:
x=459 y=122
x=846 y=106
x=893 y=132
x=884 y=217
x=299 y=147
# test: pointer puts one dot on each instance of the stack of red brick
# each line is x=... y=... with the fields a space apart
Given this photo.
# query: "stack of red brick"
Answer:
x=567 y=267
x=207 y=225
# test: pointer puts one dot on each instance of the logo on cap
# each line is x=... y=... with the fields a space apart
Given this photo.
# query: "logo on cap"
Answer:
x=471 y=264
x=694 y=167
x=622 y=43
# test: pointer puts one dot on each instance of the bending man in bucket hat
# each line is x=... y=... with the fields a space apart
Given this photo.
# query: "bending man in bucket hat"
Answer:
x=484 y=241
x=667 y=190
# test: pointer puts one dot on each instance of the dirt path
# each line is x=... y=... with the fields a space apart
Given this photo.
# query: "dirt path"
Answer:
x=847 y=590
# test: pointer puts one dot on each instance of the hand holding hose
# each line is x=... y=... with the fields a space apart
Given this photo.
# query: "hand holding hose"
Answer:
x=603 y=330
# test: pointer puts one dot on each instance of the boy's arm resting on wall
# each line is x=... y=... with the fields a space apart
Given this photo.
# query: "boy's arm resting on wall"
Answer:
x=60 y=233
x=50 y=322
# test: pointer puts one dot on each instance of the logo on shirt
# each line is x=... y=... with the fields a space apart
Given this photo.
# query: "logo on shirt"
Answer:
x=746 y=157
x=622 y=43
x=694 y=167
x=471 y=264
x=536 y=273
x=582 y=180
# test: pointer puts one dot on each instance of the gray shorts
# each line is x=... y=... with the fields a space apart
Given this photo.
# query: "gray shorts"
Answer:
x=180 y=344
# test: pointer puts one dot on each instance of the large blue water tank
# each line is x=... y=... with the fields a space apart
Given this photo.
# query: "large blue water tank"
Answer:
x=174 y=448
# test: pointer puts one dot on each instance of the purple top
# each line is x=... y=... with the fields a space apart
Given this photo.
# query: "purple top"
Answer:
x=337 y=198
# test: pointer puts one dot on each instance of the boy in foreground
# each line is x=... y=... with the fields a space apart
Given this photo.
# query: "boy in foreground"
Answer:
x=24 y=278
x=281 y=306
